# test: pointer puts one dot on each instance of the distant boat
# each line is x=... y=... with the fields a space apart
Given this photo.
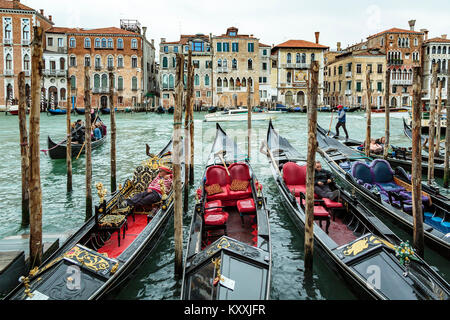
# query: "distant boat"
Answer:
x=79 y=111
x=240 y=114
x=57 y=111
x=160 y=110
x=281 y=107
x=59 y=151
x=107 y=110
x=171 y=110
x=212 y=109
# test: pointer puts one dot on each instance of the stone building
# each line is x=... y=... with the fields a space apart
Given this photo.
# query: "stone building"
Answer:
x=293 y=60
x=436 y=50
x=200 y=46
x=345 y=78
x=236 y=64
x=17 y=23
x=266 y=91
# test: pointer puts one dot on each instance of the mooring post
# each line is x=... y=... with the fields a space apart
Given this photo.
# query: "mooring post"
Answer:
x=368 y=112
x=113 y=133
x=311 y=160
x=447 y=135
x=69 y=136
x=438 y=119
x=187 y=118
x=387 y=91
x=191 y=128
x=24 y=151
x=249 y=121
x=35 y=175
x=431 y=126
x=87 y=141
x=178 y=193
x=416 y=170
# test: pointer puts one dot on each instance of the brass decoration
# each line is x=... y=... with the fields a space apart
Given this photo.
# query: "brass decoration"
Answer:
x=101 y=192
x=114 y=268
x=356 y=248
x=223 y=244
x=377 y=240
x=87 y=259
x=26 y=283
x=111 y=220
x=217 y=263
x=163 y=190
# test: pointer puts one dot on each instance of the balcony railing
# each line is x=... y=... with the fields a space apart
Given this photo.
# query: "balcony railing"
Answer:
x=222 y=69
x=348 y=74
x=7 y=41
x=348 y=92
x=100 y=90
x=8 y=72
x=62 y=49
x=97 y=67
x=54 y=73
x=25 y=42
x=295 y=65
x=402 y=82
x=395 y=62
x=219 y=90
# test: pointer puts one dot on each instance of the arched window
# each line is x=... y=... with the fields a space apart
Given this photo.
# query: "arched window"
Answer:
x=439 y=65
x=26 y=62
x=234 y=64
x=428 y=50
x=225 y=63
x=225 y=83
x=206 y=80
x=196 y=80
x=171 y=81
x=219 y=63
x=104 y=44
x=250 y=82
x=120 y=83
x=444 y=50
x=433 y=51
x=134 y=83
x=26 y=29
x=250 y=64
x=439 y=50
x=134 y=62
x=244 y=82
x=219 y=83
x=97 y=43
x=238 y=83
x=104 y=81
x=313 y=57
x=110 y=43
x=72 y=42
x=110 y=61
x=444 y=65
x=134 y=44
x=9 y=62
x=165 y=82
x=62 y=64
x=289 y=58
x=289 y=77
x=231 y=84
x=174 y=62
x=303 y=57
x=62 y=94
x=120 y=62
x=120 y=43
x=98 y=61
x=165 y=63
x=8 y=28
x=73 y=82
x=87 y=43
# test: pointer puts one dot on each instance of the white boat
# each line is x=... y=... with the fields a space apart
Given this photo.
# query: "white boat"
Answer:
x=240 y=114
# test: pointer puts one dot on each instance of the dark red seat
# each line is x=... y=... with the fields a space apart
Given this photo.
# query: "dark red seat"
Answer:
x=320 y=213
x=332 y=204
x=239 y=171
x=216 y=206
x=295 y=177
x=218 y=175
x=297 y=189
x=216 y=218
x=246 y=206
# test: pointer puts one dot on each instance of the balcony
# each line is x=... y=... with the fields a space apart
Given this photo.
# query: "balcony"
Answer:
x=7 y=41
x=54 y=73
x=348 y=92
x=62 y=49
x=100 y=90
x=396 y=62
x=25 y=42
x=401 y=82
x=348 y=74
x=219 y=90
x=8 y=72
x=296 y=65
x=222 y=69
x=98 y=68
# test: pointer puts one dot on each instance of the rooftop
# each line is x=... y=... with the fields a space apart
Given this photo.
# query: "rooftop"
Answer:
x=10 y=4
x=438 y=40
x=299 y=44
x=109 y=30
x=394 y=30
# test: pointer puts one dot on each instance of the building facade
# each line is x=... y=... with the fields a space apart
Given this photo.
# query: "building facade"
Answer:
x=17 y=23
x=266 y=91
x=293 y=60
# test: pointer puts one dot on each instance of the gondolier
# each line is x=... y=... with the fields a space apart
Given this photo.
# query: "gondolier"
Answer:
x=341 y=121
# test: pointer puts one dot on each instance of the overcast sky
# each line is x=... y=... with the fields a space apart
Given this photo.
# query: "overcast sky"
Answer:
x=271 y=21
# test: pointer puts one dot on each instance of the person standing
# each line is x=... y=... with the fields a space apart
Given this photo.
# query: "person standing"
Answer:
x=341 y=121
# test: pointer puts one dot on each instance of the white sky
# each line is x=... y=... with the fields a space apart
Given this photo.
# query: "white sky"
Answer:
x=272 y=21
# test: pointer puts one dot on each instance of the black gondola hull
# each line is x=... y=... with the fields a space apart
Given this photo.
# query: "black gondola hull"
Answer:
x=59 y=152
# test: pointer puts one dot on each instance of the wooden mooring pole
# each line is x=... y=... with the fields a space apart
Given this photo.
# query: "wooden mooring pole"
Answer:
x=187 y=118
x=191 y=129
x=438 y=119
x=416 y=170
x=113 y=133
x=178 y=193
x=24 y=151
x=311 y=160
x=431 y=126
x=249 y=121
x=447 y=135
x=69 y=136
x=368 y=113
x=35 y=175
x=87 y=141
x=387 y=91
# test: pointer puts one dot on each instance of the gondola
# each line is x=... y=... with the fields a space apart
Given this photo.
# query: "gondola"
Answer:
x=105 y=111
x=349 y=237
x=79 y=111
x=352 y=109
x=229 y=254
x=160 y=110
x=212 y=109
x=399 y=157
x=389 y=191
x=171 y=110
x=93 y=263
x=59 y=151
x=56 y=112
x=423 y=137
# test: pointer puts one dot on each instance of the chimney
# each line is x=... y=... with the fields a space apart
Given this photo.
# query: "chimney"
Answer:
x=338 y=46
x=153 y=43
x=425 y=31
x=163 y=40
x=16 y=4
x=50 y=18
x=42 y=12
x=317 y=34
x=412 y=23
x=144 y=31
x=444 y=36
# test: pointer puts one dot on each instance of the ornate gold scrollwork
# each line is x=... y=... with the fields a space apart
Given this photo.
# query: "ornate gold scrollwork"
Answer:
x=90 y=261
x=101 y=191
x=356 y=247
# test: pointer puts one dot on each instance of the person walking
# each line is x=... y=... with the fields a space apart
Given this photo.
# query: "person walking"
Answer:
x=341 y=121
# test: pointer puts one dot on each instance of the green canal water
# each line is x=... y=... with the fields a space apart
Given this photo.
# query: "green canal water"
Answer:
x=64 y=212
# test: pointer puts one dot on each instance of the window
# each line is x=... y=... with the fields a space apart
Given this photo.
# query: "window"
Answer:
x=119 y=62
x=369 y=67
x=171 y=81
x=97 y=43
x=87 y=61
x=340 y=70
x=219 y=83
x=226 y=47
x=196 y=64
x=165 y=63
x=60 y=42
x=98 y=62
x=288 y=59
x=134 y=84
x=134 y=44
x=289 y=77
x=120 y=83
x=87 y=43
x=72 y=42
x=7 y=27
x=379 y=86
x=73 y=82
x=96 y=81
x=63 y=94
x=313 y=57
x=174 y=62
x=197 y=94
x=264 y=66
x=206 y=80
x=175 y=49
x=380 y=68
x=433 y=51
x=110 y=43
x=104 y=43
x=26 y=62
x=110 y=62
x=208 y=64
x=165 y=82
x=166 y=49
x=250 y=64
x=264 y=52
x=134 y=62
x=235 y=47
x=49 y=42
x=234 y=64
x=251 y=47
x=358 y=86
x=26 y=29
x=219 y=46
x=73 y=61
x=197 y=46
x=62 y=64
x=232 y=33
x=196 y=80
x=165 y=96
x=298 y=58
x=120 y=43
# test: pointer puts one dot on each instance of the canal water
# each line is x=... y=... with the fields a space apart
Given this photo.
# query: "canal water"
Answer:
x=63 y=213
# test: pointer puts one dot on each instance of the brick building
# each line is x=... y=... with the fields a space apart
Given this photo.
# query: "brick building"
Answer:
x=17 y=23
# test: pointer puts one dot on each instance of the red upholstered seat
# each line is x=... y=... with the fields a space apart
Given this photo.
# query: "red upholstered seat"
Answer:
x=295 y=177
x=246 y=206
x=216 y=218
x=332 y=204
x=238 y=195
x=218 y=175
x=319 y=211
x=239 y=171
x=215 y=205
x=297 y=189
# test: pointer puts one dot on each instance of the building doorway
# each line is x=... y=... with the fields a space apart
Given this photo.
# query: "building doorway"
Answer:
x=104 y=102
x=53 y=97
x=301 y=98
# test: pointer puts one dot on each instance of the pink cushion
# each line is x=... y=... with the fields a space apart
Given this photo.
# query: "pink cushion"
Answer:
x=239 y=171
x=332 y=204
x=246 y=206
x=238 y=195
x=216 y=218
x=293 y=174
x=213 y=204
x=320 y=211
x=297 y=189
x=217 y=175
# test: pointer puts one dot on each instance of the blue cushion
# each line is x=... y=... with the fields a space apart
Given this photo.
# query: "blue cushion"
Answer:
x=361 y=171
x=391 y=186
x=428 y=214
x=382 y=172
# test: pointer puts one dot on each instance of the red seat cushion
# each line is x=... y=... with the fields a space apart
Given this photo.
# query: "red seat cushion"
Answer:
x=238 y=195
x=217 y=175
x=297 y=188
x=332 y=204
x=320 y=211
x=246 y=206
x=293 y=174
x=213 y=204
x=239 y=171
x=216 y=218
x=219 y=196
